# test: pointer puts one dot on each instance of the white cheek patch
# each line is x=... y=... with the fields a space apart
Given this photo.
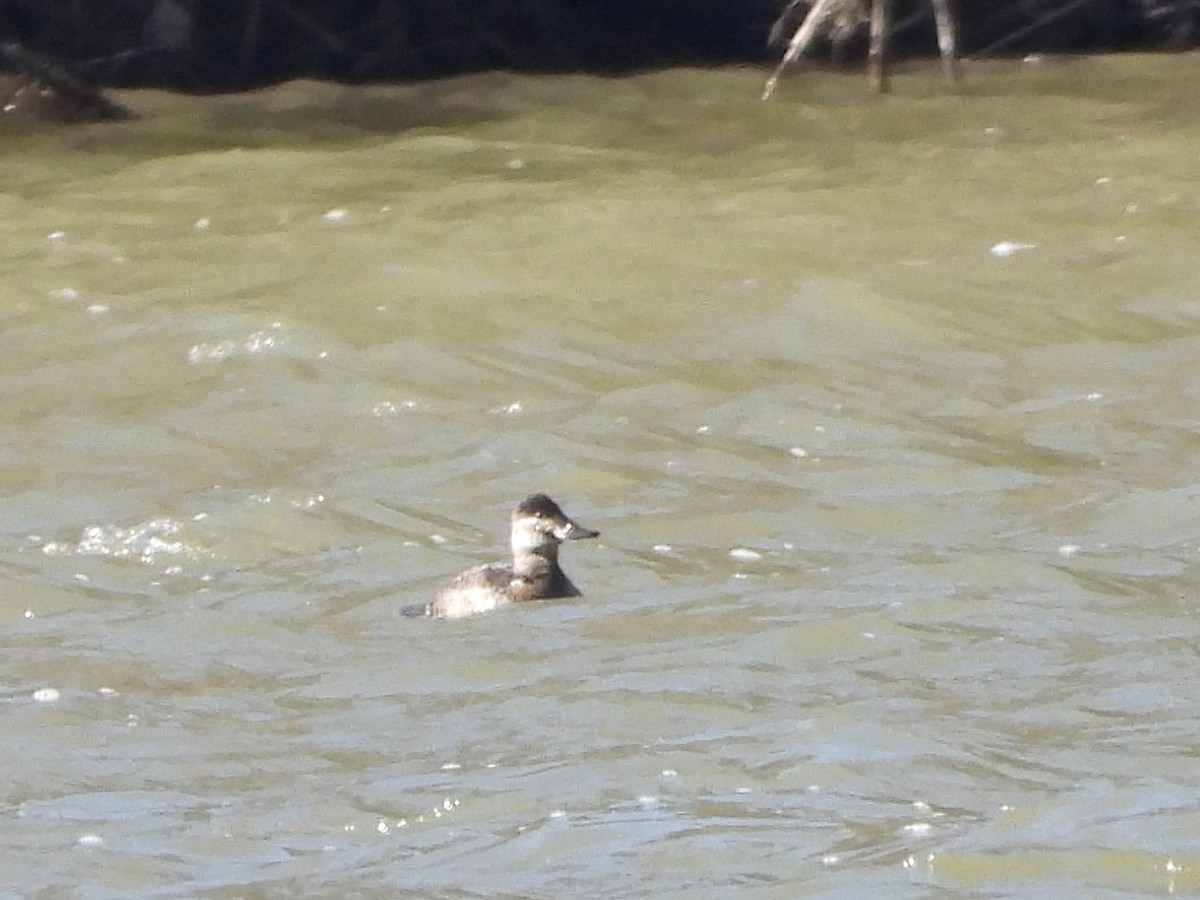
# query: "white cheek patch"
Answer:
x=563 y=532
x=527 y=534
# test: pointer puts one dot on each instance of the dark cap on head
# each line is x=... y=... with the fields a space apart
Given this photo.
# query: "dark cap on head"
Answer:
x=538 y=505
x=543 y=507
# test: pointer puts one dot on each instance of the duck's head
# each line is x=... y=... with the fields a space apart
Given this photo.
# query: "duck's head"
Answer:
x=539 y=526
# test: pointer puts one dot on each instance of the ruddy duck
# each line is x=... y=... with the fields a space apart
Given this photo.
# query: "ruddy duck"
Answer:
x=538 y=527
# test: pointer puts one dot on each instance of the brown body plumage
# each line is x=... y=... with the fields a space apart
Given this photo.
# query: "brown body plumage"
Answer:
x=538 y=527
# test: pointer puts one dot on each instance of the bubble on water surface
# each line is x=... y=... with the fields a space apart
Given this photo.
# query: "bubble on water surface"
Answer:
x=260 y=341
x=745 y=554
x=211 y=352
x=47 y=695
x=254 y=344
x=144 y=542
x=1005 y=249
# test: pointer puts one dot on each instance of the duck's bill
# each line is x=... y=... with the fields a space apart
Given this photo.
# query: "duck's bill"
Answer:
x=573 y=531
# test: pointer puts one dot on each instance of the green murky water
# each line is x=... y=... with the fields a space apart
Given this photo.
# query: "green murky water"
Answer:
x=887 y=411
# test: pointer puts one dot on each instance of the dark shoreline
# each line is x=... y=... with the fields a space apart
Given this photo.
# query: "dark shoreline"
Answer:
x=233 y=45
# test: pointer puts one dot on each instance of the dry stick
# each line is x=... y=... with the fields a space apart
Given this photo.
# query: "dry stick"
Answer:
x=877 y=63
x=877 y=66
x=1033 y=26
x=776 y=35
x=800 y=40
x=946 y=40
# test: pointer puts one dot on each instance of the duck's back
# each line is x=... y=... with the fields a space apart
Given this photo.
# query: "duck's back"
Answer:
x=477 y=590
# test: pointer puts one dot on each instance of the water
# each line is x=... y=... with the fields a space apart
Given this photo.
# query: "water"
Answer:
x=886 y=410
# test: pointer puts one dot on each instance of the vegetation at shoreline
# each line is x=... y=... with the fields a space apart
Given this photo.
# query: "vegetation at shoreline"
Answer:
x=219 y=45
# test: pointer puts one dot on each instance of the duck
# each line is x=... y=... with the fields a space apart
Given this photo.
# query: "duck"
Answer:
x=538 y=527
